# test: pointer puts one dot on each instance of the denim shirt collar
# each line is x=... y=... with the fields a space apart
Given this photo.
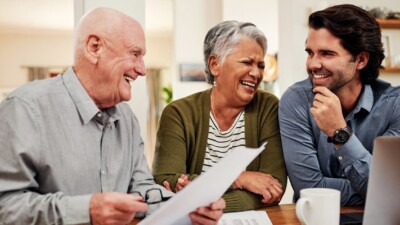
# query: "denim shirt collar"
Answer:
x=365 y=102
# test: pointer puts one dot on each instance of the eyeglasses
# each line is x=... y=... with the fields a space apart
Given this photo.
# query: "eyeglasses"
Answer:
x=152 y=196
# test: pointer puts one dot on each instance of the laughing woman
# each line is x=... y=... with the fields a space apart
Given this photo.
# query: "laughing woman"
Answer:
x=198 y=130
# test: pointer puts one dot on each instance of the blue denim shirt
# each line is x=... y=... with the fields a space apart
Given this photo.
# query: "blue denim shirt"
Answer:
x=313 y=162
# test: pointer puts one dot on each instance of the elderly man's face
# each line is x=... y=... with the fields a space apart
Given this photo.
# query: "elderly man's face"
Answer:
x=122 y=64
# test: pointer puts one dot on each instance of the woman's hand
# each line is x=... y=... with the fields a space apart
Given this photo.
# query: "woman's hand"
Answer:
x=262 y=184
x=181 y=183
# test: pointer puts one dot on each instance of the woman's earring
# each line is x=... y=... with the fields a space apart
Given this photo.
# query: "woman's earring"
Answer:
x=215 y=83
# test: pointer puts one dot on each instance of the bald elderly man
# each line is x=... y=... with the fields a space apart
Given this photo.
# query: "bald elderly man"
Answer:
x=71 y=151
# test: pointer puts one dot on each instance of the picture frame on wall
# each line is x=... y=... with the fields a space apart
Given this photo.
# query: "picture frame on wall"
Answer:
x=192 y=72
x=387 y=62
x=43 y=72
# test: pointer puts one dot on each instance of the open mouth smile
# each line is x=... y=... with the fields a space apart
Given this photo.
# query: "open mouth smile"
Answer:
x=248 y=84
x=128 y=79
x=319 y=76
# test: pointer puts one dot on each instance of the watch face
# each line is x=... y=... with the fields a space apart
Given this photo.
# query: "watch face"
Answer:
x=341 y=136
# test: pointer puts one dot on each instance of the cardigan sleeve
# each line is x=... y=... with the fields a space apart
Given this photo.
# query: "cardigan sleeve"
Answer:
x=171 y=149
x=261 y=125
x=271 y=159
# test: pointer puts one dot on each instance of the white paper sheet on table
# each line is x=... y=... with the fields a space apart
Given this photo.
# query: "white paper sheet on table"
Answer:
x=245 y=218
x=205 y=189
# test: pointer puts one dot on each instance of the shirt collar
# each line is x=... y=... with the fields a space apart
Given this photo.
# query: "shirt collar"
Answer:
x=366 y=99
x=84 y=103
x=365 y=102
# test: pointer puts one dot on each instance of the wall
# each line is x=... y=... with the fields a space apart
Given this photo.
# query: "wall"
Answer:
x=192 y=19
x=18 y=50
x=264 y=14
x=159 y=51
x=37 y=49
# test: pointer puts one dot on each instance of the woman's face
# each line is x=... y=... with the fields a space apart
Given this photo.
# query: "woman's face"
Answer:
x=241 y=72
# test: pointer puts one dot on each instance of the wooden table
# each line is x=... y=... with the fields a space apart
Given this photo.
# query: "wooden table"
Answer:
x=286 y=214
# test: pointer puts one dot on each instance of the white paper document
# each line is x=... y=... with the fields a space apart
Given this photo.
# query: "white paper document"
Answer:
x=205 y=189
x=245 y=218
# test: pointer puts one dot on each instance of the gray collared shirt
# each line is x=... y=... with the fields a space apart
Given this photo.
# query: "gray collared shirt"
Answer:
x=58 y=148
x=313 y=162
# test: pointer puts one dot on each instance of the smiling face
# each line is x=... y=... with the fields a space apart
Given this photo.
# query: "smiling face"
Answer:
x=329 y=64
x=109 y=51
x=122 y=63
x=240 y=74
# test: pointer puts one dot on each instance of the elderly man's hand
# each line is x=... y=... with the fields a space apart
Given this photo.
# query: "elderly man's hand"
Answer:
x=115 y=208
x=208 y=215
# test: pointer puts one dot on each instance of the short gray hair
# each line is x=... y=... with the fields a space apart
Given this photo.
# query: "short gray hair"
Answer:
x=222 y=38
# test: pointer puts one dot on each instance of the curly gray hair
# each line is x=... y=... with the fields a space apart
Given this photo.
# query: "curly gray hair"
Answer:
x=222 y=38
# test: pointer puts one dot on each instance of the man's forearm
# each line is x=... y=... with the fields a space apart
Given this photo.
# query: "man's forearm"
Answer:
x=24 y=207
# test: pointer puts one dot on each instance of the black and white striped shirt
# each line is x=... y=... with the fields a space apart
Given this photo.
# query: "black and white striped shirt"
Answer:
x=219 y=143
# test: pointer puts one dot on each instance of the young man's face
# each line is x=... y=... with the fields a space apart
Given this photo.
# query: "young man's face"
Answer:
x=328 y=63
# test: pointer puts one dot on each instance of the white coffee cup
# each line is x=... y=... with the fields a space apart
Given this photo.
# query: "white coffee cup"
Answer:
x=318 y=206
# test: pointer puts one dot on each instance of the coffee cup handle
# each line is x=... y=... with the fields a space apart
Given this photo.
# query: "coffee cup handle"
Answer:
x=300 y=207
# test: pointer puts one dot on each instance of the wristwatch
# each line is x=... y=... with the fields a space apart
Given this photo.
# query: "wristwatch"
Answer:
x=341 y=136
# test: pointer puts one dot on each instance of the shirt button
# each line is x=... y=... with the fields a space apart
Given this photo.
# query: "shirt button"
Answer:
x=103 y=172
x=99 y=115
x=340 y=157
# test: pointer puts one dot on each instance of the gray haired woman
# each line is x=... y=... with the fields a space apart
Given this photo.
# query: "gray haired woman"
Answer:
x=195 y=132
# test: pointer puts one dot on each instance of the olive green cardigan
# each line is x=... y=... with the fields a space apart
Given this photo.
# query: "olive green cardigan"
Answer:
x=182 y=139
